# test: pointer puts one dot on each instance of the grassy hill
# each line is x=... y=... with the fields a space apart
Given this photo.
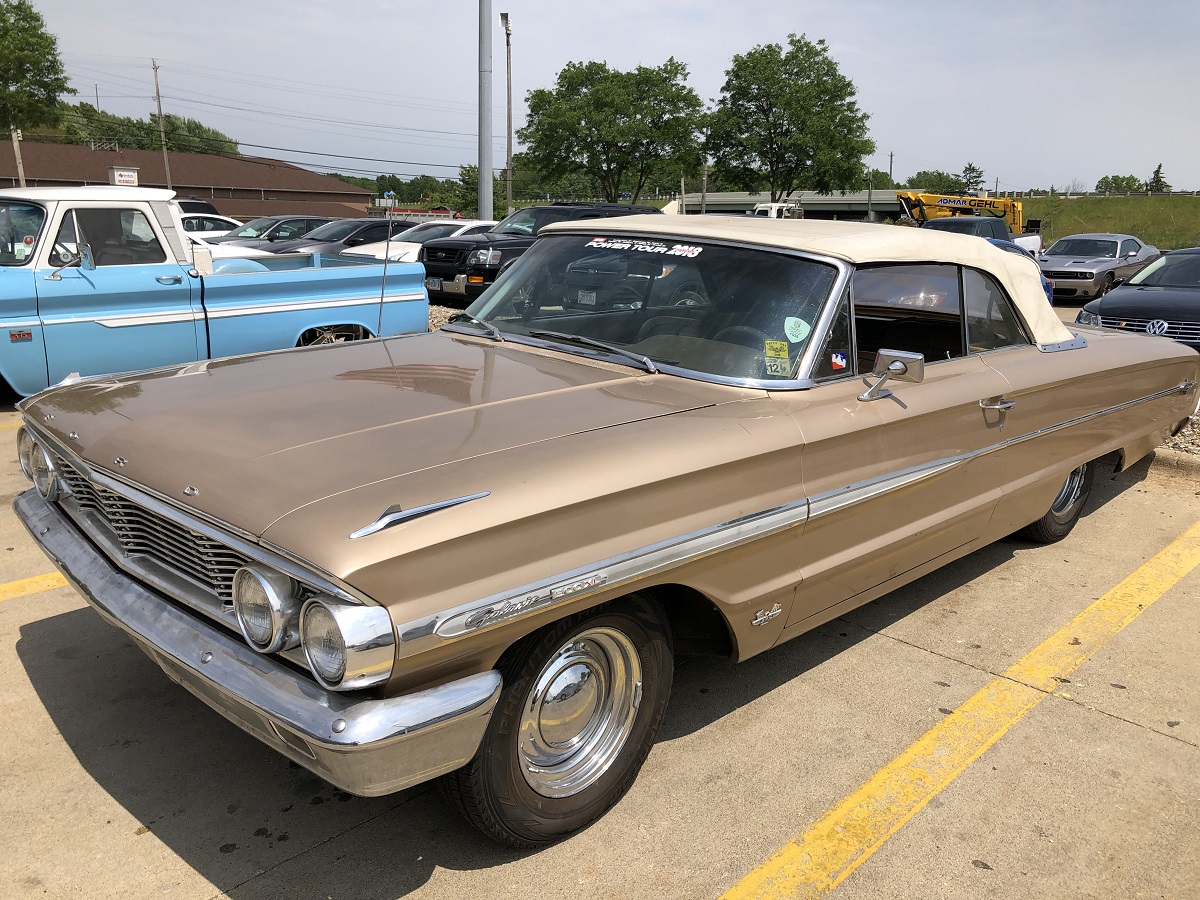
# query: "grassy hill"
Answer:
x=1165 y=222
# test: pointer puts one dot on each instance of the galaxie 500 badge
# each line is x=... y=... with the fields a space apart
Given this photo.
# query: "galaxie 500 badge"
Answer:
x=515 y=606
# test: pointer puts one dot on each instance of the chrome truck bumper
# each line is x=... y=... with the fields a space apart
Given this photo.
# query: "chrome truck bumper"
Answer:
x=364 y=746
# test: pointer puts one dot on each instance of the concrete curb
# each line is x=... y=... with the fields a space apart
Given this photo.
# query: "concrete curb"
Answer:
x=1175 y=462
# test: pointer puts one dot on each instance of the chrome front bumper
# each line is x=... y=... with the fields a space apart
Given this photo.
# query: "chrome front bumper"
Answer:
x=364 y=746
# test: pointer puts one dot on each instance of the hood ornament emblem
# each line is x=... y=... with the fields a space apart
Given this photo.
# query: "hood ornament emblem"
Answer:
x=121 y=461
x=395 y=515
x=190 y=491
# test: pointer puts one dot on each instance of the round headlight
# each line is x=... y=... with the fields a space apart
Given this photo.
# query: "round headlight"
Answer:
x=25 y=447
x=42 y=472
x=324 y=644
x=266 y=608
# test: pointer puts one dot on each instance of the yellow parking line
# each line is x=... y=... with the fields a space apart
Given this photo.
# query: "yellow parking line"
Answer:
x=9 y=425
x=814 y=863
x=34 y=585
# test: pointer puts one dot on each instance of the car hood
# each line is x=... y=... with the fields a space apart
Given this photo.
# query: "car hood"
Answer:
x=1175 y=304
x=249 y=439
x=1075 y=262
x=469 y=241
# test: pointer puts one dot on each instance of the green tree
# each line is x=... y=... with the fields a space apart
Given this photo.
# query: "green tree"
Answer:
x=935 y=181
x=880 y=180
x=1157 y=184
x=1119 y=184
x=617 y=128
x=82 y=123
x=972 y=177
x=463 y=195
x=31 y=74
x=789 y=119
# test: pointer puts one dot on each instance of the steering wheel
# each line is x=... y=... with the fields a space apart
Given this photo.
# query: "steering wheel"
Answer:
x=743 y=335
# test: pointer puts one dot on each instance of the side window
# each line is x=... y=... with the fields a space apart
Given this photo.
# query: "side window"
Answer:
x=293 y=229
x=478 y=229
x=373 y=233
x=835 y=359
x=991 y=322
x=1130 y=246
x=907 y=307
x=119 y=237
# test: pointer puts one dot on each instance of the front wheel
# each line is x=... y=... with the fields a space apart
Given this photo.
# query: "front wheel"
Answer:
x=1066 y=509
x=1106 y=285
x=582 y=703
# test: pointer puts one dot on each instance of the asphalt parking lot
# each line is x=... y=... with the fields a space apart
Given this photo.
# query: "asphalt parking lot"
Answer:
x=1022 y=723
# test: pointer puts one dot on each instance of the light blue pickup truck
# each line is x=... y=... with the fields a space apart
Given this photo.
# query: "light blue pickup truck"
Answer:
x=103 y=279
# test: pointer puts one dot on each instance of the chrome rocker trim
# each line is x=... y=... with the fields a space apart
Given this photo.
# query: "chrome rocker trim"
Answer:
x=364 y=746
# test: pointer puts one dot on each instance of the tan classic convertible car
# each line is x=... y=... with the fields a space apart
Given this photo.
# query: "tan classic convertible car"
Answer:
x=476 y=553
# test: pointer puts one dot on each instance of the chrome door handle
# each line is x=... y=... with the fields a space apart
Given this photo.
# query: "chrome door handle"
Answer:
x=1002 y=405
x=169 y=279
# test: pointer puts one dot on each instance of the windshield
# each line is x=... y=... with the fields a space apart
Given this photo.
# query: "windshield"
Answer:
x=1085 y=247
x=719 y=311
x=532 y=220
x=20 y=225
x=254 y=228
x=427 y=231
x=333 y=231
x=954 y=224
x=1172 y=270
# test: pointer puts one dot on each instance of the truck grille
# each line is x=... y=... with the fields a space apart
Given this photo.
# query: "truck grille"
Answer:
x=1188 y=332
x=140 y=532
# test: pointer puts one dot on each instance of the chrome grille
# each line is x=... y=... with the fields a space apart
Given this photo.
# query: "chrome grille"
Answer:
x=140 y=532
x=1180 y=331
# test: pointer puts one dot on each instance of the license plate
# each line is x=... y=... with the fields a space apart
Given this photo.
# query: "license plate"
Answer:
x=433 y=284
x=587 y=298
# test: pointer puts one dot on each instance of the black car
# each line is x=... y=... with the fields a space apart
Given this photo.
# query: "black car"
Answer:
x=465 y=266
x=265 y=232
x=1163 y=297
x=341 y=234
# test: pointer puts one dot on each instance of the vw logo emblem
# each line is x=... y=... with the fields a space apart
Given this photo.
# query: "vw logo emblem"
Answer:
x=440 y=254
x=1156 y=326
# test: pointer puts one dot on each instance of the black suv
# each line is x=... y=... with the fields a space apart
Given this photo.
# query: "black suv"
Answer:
x=463 y=267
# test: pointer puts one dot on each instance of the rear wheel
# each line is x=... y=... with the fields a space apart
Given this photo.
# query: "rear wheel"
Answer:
x=1066 y=509
x=332 y=334
x=583 y=699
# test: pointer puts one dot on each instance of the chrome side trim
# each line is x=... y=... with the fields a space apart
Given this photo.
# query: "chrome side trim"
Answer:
x=229 y=312
x=395 y=515
x=835 y=500
x=605 y=574
x=1076 y=343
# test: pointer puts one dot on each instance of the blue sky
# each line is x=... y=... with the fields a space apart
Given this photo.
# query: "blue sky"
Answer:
x=1034 y=93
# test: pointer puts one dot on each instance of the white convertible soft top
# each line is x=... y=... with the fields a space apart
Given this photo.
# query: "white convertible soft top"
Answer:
x=857 y=243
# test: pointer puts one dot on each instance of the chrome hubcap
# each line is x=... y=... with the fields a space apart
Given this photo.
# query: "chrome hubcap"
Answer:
x=579 y=712
x=1069 y=494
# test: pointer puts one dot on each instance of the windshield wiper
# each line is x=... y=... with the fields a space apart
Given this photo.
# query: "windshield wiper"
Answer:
x=492 y=331
x=644 y=361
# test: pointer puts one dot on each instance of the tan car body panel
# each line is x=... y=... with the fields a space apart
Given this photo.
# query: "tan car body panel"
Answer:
x=586 y=462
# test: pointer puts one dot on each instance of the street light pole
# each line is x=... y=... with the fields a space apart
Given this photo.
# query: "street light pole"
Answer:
x=506 y=22
x=485 y=109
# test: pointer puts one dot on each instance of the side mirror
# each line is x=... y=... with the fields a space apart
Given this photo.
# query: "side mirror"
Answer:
x=87 y=262
x=898 y=365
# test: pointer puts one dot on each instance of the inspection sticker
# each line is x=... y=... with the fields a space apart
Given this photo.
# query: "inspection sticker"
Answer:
x=777 y=349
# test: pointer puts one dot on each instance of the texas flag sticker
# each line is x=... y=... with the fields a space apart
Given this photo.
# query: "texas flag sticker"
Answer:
x=839 y=361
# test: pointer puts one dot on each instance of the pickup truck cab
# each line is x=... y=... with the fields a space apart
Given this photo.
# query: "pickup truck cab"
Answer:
x=99 y=280
x=985 y=227
x=465 y=266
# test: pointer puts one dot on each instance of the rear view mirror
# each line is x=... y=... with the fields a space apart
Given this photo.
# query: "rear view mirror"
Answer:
x=87 y=262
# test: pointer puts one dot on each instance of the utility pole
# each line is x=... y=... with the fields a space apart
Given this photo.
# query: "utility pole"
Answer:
x=870 y=187
x=506 y=22
x=681 y=207
x=16 y=139
x=96 y=85
x=704 y=187
x=996 y=192
x=485 y=109
x=891 y=158
x=162 y=134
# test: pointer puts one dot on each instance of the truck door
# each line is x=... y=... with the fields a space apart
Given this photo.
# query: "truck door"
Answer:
x=133 y=310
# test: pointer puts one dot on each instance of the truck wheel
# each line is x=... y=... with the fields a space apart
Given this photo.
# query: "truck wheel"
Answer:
x=1064 y=512
x=332 y=334
x=583 y=699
